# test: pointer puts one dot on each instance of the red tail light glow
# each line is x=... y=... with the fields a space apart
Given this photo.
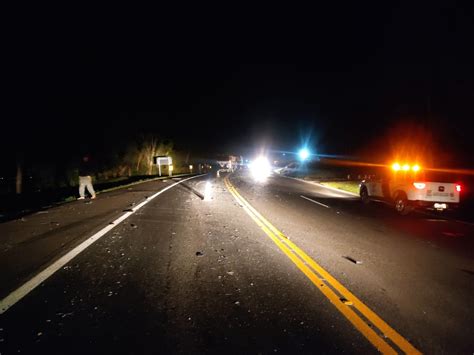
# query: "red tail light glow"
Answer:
x=419 y=185
x=458 y=188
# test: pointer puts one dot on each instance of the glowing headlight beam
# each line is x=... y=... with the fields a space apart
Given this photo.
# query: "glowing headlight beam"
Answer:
x=260 y=169
x=303 y=154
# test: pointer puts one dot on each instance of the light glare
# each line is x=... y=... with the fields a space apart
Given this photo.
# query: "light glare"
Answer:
x=260 y=168
x=304 y=154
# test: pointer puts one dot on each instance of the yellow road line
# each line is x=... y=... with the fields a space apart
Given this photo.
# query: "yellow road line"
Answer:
x=311 y=269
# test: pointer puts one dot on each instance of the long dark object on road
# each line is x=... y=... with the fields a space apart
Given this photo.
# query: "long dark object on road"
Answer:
x=192 y=189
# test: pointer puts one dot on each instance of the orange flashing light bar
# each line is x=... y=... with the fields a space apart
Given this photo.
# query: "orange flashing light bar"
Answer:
x=405 y=167
x=395 y=166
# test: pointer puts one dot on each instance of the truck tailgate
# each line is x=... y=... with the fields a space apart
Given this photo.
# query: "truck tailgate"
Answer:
x=441 y=192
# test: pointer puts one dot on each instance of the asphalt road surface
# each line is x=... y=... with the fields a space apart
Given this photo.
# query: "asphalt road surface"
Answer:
x=227 y=265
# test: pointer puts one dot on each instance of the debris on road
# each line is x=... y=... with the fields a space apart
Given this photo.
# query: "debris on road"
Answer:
x=64 y=315
x=352 y=260
x=198 y=253
x=346 y=301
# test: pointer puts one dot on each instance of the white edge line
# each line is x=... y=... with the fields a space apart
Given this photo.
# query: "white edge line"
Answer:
x=320 y=185
x=39 y=278
x=319 y=203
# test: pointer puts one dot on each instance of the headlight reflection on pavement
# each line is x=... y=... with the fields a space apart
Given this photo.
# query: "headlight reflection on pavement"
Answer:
x=208 y=191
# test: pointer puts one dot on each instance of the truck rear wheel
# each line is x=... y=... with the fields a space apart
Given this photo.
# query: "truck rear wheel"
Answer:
x=402 y=205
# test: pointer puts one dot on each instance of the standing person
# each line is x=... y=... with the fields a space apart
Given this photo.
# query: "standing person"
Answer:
x=85 y=179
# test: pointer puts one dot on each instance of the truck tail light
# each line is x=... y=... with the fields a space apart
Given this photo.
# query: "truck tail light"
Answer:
x=419 y=185
x=458 y=188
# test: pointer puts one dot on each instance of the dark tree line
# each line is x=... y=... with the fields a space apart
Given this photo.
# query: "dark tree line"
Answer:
x=36 y=166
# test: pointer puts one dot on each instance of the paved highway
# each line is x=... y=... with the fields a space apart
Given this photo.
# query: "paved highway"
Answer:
x=277 y=267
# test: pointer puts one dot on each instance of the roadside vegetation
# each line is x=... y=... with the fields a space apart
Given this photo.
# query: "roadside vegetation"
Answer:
x=35 y=179
x=42 y=171
x=349 y=186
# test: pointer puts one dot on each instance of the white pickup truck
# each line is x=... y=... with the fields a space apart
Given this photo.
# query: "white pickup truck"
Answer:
x=407 y=188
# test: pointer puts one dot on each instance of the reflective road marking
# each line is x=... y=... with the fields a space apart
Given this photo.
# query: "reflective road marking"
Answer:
x=319 y=203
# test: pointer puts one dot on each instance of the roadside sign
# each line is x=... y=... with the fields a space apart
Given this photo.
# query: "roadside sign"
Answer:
x=164 y=160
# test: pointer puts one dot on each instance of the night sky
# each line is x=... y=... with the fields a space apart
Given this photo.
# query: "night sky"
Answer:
x=224 y=80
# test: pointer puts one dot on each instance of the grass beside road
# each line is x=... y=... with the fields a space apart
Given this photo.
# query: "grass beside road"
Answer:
x=350 y=186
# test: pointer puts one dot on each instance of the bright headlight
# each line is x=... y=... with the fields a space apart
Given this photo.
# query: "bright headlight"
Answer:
x=304 y=154
x=260 y=168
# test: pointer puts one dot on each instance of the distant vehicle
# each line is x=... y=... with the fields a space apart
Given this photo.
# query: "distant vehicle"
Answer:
x=289 y=169
x=229 y=163
x=408 y=187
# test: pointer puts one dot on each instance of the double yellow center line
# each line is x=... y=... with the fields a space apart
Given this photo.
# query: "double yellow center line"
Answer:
x=375 y=329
